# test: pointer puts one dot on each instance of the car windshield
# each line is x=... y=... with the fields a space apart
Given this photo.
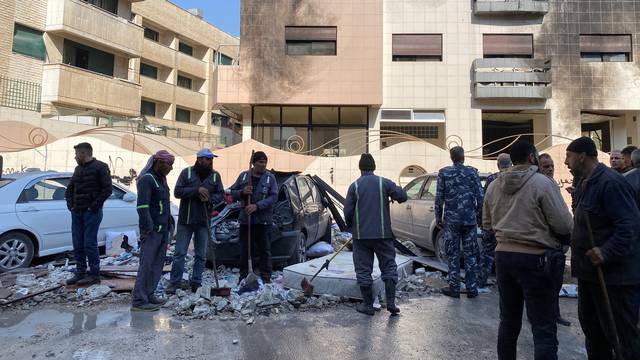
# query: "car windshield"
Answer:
x=4 y=182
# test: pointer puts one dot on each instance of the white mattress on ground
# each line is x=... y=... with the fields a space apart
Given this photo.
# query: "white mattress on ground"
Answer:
x=340 y=278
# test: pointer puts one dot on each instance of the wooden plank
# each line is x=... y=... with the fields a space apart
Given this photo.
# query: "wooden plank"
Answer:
x=32 y=295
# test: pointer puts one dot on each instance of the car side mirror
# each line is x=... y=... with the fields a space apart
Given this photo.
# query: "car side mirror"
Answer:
x=129 y=197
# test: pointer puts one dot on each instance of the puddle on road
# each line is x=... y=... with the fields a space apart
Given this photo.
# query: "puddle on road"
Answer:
x=30 y=324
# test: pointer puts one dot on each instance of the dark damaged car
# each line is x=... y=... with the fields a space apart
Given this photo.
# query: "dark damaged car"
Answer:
x=300 y=219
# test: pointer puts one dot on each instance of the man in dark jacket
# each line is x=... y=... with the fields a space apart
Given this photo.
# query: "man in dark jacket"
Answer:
x=458 y=206
x=366 y=211
x=89 y=188
x=626 y=158
x=199 y=188
x=156 y=223
x=258 y=189
x=633 y=175
x=606 y=203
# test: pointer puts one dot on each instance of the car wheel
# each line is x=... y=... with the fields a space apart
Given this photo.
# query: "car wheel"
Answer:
x=300 y=254
x=16 y=251
x=440 y=248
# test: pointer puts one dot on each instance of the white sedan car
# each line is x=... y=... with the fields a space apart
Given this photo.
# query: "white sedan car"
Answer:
x=35 y=222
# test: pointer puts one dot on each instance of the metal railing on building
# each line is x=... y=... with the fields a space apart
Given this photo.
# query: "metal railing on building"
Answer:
x=20 y=94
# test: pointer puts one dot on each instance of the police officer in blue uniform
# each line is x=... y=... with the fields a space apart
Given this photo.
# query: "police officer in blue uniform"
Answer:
x=366 y=212
x=458 y=206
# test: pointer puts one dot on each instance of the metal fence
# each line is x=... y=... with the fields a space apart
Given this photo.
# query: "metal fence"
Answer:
x=19 y=94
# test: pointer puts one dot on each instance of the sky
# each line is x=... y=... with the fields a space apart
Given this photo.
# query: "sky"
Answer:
x=224 y=14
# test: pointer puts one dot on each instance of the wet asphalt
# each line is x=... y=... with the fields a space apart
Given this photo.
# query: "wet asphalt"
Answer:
x=433 y=327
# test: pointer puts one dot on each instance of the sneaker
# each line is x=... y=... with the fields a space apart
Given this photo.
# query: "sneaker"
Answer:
x=77 y=277
x=156 y=300
x=564 y=322
x=89 y=280
x=146 y=307
x=450 y=293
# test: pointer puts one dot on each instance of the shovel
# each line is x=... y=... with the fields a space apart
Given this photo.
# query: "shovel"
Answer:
x=217 y=291
x=250 y=283
x=306 y=286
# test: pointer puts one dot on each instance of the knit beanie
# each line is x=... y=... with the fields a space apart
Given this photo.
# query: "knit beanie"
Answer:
x=367 y=163
x=583 y=145
x=258 y=155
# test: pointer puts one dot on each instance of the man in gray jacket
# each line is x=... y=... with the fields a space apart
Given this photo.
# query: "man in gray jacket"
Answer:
x=531 y=222
x=366 y=212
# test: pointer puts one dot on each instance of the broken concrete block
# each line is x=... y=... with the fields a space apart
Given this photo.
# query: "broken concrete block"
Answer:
x=185 y=304
x=221 y=304
x=22 y=292
x=98 y=291
x=201 y=310
x=26 y=280
x=180 y=293
x=250 y=321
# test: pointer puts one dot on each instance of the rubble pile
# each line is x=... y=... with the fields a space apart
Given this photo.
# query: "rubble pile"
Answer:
x=269 y=299
x=422 y=283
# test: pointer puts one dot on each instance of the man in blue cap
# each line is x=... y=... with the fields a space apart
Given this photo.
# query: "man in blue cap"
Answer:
x=199 y=188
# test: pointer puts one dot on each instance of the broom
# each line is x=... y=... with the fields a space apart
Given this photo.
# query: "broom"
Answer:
x=250 y=283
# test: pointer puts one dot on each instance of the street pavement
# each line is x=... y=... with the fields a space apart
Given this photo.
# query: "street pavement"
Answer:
x=433 y=327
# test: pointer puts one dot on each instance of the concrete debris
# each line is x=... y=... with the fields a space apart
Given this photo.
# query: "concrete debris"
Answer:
x=97 y=291
x=22 y=292
x=201 y=310
x=26 y=280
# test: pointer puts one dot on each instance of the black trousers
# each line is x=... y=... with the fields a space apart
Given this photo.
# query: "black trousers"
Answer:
x=363 y=252
x=591 y=311
x=153 y=249
x=260 y=247
x=522 y=280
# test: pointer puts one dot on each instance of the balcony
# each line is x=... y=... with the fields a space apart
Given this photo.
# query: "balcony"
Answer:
x=158 y=53
x=80 y=19
x=510 y=7
x=156 y=90
x=65 y=84
x=190 y=99
x=512 y=78
x=192 y=66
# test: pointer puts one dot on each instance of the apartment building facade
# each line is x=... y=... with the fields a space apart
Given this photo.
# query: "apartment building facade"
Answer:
x=353 y=75
x=96 y=62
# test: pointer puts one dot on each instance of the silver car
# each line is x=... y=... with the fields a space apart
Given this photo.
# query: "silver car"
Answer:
x=415 y=219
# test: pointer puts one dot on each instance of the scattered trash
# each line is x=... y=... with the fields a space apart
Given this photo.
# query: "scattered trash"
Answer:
x=319 y=249
x=235 y=341
x=569 y=291
x=22 y=292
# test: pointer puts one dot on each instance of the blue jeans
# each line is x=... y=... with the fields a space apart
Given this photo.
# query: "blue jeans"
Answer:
x=522 y=280
x=84 y=232
x=183 y=238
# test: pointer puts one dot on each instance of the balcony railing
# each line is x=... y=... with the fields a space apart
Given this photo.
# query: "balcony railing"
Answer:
x=512 y=78
x=19 y=94
x=513 y=7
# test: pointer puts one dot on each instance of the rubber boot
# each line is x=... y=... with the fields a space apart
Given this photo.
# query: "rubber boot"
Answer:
x=390 y=292
x=366 y=307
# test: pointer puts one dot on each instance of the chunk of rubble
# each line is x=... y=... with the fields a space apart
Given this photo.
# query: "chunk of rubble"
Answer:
x=201 y=310
x=97 y=291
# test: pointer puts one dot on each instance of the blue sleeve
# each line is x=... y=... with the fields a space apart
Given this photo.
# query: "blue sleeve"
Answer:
x=396 y=193
x=272 y=197
x=349 y=206
x=439 y=196
x=145 y=186
x=182 y=191
x=479 y=195
x=236 y=188
x=620 y=206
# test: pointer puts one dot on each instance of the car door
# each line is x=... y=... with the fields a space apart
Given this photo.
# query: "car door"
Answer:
x=42 y=207
x=401 y=214
x=119 y=213
x=322 y=214
x=309 y=207
x=423 y=213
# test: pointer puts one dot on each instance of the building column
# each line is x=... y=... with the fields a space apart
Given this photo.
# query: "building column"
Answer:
x=375 y=143
x=246 y=123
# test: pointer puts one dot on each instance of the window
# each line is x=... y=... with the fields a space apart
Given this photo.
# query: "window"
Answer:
x=417 y=47
x=108 y=5
x=88 y=58
x=225 y=60
x=147 y=108
x=220 y=120
x=413 y=189
x=148 y=71
x=317 y=130
x=185 y=49
x=184 y=82
x=305 y=191
x=419 y=131
x=27 y=41
x=45 y=190
x=507 y=45
x=429 y=191
x=605 y=48
x=116 y=194
x=311 y=40
x=151 y=34
x=183 y=115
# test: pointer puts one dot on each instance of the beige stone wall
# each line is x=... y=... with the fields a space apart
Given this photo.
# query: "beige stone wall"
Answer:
x=6 y=33
x=267 y=75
